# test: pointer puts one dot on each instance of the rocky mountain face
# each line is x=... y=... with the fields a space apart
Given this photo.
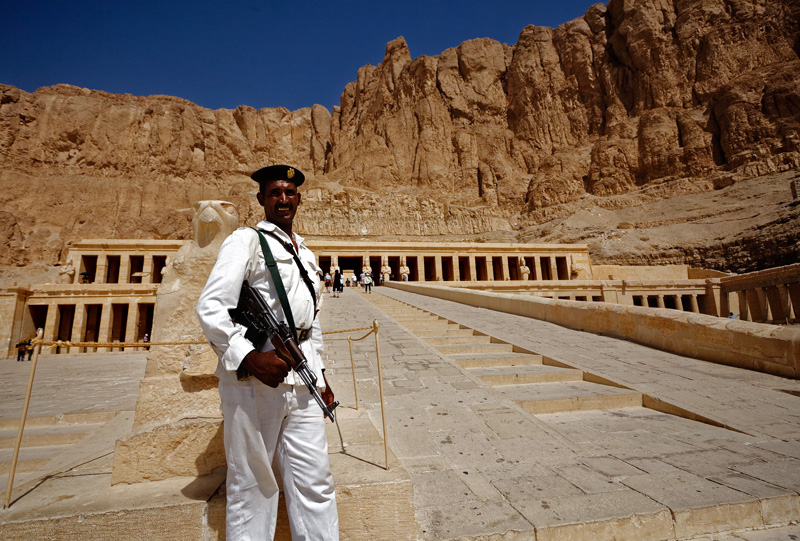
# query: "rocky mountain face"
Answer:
x=636 y=100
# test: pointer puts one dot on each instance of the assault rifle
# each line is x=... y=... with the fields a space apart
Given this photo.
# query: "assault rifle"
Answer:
x=254 y=313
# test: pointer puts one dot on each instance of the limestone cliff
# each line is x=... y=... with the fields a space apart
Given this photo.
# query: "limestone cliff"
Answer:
x=640 y=96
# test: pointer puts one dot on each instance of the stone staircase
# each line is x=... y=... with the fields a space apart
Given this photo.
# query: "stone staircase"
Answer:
x=537 y=384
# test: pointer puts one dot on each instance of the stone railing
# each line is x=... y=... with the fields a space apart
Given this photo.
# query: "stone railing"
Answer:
x=766 y=348
x=771 y=295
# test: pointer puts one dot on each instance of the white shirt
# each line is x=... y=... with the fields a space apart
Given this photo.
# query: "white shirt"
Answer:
x=241 y=258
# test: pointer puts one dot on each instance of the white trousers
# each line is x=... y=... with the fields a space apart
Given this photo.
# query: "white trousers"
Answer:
x=260 y=423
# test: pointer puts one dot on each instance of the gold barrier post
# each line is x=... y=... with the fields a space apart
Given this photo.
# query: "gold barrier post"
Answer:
x=37 y=349
x=380 y=387
x=353 y=366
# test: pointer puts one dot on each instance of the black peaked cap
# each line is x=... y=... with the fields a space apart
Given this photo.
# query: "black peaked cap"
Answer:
x=279 y=172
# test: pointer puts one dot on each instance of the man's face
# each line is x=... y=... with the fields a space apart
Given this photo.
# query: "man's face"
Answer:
x=280 y=201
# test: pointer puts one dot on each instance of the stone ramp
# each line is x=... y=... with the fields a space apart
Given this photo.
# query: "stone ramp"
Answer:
x=608 y=471
x=48 y=443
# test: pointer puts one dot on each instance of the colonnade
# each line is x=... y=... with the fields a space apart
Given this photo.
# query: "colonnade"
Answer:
x=452 y=267
x=106 y=322
x=123 y=268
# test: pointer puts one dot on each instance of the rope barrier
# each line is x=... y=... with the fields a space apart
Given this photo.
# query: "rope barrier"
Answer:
x=349 y=330
x=69 y=344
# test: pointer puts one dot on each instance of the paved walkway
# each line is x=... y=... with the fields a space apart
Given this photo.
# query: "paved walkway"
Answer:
x=481 y=465
x=72 y=384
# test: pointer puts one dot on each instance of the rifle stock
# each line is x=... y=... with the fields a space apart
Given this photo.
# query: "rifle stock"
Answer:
x=254 y=313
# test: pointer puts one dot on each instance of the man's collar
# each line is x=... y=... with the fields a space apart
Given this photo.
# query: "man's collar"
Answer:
x=275 y=230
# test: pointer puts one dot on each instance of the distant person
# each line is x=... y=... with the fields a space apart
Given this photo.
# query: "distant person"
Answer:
x=146 y=340
x=21 y=347
x=731 y=315
x=30 y=349
x=368 y=283
x=354 y=280
x=327 y=283
x=337 y=283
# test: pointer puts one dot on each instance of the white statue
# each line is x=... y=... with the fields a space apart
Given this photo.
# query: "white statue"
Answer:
x=524 y=270
x=404 y=270
x=386 y=270
x=213 y=221
x=66 y=275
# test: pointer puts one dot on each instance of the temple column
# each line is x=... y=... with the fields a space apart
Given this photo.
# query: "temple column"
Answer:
x=660 y=301
x=456 y=269
x=50 y=324
x=537 y=267
x=106 y=319
x=724 y=304
x=131 y=324
x=778 y=302
x=102 y=269
x=420 y=267
x=147 y=270
x=438 y=267
x=712 y=300
x=506 y=273
x=755 y=306
x=489 y=268
x=473 y=275
x=553 y=268
x=744 y=313
x=78 y=326
x=695 y=307
x=794 y=296
x=124 y=269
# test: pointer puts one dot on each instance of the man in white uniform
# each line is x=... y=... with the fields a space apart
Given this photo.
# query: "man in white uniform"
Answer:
x=271 y=414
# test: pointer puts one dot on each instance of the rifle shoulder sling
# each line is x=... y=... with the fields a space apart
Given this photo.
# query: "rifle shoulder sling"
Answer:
x=276 y=279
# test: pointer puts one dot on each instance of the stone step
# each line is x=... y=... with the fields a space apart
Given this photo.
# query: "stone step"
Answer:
x=60 y=420
x=570 y=396
x=43 y=440
x=23 y=466
x=475 y=348
x=427 y=325
x=444 y=340
x=518 y=375
x=444 y=332
x=411 y=316
x=487 y=360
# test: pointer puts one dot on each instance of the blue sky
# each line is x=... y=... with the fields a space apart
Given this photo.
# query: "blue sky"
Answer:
x=241 y=52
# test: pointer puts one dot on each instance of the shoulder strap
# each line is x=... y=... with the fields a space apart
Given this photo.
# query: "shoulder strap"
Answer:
x=302 y=268
x=276 y=279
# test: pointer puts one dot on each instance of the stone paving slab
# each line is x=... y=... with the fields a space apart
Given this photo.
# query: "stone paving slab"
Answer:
x=515 y=375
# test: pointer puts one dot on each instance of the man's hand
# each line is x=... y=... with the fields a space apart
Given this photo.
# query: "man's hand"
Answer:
x=267 y=367
x=327 y=394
